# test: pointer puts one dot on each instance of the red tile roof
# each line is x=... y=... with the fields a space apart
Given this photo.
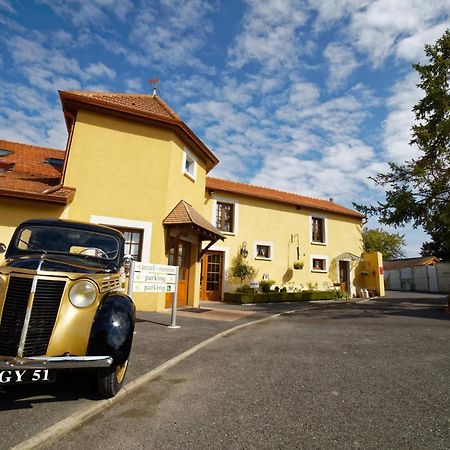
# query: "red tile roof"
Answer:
x=151 y=104
x=410 y=262
x=150 y=107
x=216 y=184
x=31 y=177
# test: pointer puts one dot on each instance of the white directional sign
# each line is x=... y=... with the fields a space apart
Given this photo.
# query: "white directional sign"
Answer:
x=154 y=268
x=146 y=277
x=153 y=287
x=154 y=278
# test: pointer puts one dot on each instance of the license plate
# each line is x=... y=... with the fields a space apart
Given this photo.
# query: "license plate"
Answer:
x=18 y=376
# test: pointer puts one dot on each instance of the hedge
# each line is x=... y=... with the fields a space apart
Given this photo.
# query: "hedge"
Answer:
x=274 y=297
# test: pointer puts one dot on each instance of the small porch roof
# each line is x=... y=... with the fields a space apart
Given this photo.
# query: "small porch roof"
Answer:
x=349 y=256
x=185 y=216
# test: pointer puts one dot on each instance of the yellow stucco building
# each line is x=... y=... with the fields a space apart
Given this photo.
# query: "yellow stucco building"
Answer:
x=133 y=164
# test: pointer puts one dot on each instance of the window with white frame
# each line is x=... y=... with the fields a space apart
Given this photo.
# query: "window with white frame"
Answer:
x=318 y=230
x=319 y=263
x=137 y=234
x=264 y=250
x=133 y=241
x=189 y=167
x=225 y=215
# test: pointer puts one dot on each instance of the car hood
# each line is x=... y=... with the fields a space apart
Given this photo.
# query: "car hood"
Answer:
x=60 y=263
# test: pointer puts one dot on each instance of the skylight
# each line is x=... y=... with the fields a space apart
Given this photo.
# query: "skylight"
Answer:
x=55 y=161
x=4 y=152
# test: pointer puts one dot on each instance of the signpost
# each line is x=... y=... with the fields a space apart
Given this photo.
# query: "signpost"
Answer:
x=145 y=277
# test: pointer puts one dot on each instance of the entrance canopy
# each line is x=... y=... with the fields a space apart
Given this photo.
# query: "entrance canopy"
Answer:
x=184 y=217
x=349 y=257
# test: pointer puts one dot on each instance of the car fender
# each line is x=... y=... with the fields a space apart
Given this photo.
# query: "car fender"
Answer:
x=113 y=327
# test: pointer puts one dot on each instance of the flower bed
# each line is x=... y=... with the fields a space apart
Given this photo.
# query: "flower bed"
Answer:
x=273 y=297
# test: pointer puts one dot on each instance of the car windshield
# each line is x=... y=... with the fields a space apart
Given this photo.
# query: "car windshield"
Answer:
x=65 y=240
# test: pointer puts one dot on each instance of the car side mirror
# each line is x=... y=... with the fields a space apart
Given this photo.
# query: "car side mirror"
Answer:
x=127 y=261
x=2 y=248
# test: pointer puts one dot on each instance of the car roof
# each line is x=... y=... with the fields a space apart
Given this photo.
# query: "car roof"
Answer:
x=73 y=224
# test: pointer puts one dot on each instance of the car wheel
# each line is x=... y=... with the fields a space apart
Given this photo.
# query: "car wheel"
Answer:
x=110 y=380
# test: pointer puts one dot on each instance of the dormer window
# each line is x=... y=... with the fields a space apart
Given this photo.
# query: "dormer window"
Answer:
x=189 y=165
x=4 y=152
x=56 y=162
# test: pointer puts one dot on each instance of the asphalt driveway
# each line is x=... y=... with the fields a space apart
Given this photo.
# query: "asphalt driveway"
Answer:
x=369 y=375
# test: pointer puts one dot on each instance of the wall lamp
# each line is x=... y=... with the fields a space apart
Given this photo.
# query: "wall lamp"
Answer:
x=244 y=251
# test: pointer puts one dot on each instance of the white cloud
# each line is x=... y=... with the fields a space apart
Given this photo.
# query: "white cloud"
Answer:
x=342 y=63
x=269 y=35
x=50 y=68
x=31 y=53
x=411 y=48
x=133 y=85
x=99 y=70
x=348 y=156
x=335 y=10
x=338 y=116
x=26 y=115
x=380 y=29
x=92 y=13
x=397 y=126
x=170 y=34
x=384 y=28
x=7 y=6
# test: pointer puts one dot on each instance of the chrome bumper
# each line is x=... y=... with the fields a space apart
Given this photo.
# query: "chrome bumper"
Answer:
x=54 y=362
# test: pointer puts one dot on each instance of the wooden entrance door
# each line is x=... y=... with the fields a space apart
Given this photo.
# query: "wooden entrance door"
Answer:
x=179 y=255
x=344 y=274
x=211 y=277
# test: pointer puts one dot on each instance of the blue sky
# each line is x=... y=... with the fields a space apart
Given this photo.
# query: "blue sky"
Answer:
x=308 y=96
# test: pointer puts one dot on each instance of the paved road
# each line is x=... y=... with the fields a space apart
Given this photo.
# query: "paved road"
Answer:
x=373 y=375
x=29 y=409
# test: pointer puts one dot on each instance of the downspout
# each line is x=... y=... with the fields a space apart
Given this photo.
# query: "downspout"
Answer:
x=71 y=117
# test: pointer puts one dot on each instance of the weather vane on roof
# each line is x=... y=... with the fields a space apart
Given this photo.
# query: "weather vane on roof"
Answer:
x=154 y=82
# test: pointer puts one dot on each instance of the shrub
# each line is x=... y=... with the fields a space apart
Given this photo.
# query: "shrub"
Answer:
x=274 y=297
x=247 y=289
x=265 y=285
x=341 y=295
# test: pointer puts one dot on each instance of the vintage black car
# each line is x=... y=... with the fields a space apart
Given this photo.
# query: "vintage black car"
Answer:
x=62 y=304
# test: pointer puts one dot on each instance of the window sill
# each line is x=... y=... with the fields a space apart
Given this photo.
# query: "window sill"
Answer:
x=319 y=271
x=262 y=258
x=227 y=233
x=188 y=175
x=318 y=243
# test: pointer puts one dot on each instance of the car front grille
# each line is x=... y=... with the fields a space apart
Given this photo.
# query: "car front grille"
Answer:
x=111 y=284
x=13 y=315
x=47 y=299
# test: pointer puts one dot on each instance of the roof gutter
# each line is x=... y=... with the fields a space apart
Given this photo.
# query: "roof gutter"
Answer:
x=62 y=200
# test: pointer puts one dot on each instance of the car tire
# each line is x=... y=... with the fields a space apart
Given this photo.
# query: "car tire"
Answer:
x=110 y=380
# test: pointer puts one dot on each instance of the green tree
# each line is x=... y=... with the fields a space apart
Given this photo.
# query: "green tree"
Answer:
x=418 y=190
x=242 y=270
x=389 y=244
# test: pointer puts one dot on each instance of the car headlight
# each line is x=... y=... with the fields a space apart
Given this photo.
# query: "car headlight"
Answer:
x=83 y=293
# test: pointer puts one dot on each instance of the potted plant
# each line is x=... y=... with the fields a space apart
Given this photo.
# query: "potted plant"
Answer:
x=298 y=265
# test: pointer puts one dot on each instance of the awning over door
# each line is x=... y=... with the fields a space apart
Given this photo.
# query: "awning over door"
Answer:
x=349 y=257
x=184 y=217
